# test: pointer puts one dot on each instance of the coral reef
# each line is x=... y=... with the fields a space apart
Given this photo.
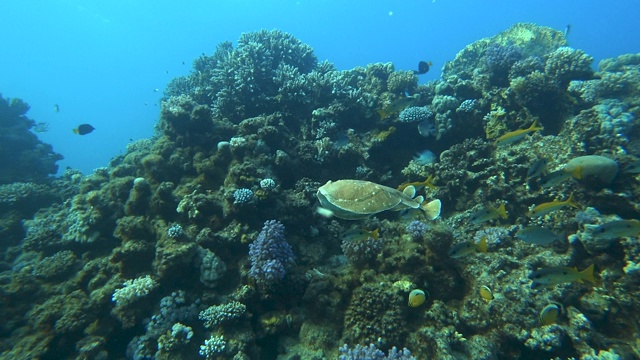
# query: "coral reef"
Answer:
x=362 y=251
x=23 y=156
x=169 y=253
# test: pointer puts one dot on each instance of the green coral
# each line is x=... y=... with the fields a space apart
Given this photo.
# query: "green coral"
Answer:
x=23 y=156
x=540 y=94
x=64 y=313
x=532 y=39
x=375 y=314
x=56 y=266
x=401 y=82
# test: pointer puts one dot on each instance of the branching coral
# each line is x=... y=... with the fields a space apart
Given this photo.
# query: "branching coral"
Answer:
x=566 y=64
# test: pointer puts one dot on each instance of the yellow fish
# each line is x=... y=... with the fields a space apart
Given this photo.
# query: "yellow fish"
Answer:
x=487 y=214
x=428 y=183
x=485 y=293
x=360 y=234
x=468 y=247
x=548 y=207
x=417 y=297
x=557 y=275
x=516 y=135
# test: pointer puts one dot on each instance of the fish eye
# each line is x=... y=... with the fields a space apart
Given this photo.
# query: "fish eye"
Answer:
x=602 y=229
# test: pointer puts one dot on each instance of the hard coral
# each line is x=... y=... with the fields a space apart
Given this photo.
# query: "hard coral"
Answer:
x=23 y=156
x=416 y=114
x=270 y=255
x=375 y=313
x=541 y=94
x=498 y=60
x=566 y=64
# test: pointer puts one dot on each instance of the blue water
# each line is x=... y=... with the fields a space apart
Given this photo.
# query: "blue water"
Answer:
x=101 y=61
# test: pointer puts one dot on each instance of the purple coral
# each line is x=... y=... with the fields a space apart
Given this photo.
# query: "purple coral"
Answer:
x=362 y=251
x=417 y=230
x=371 y=352
x=499 y=59
x=270 y=254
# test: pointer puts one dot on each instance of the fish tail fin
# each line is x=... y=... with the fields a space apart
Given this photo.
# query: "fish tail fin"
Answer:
x=587 y=274
x=375 y=233
x=76 y=131
x=429 y=182
x=383 y=114
x=430 y=63
x=482 y=245
x=502 y=211
x=534 y=126
x=432 y=209
x=571 y=202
